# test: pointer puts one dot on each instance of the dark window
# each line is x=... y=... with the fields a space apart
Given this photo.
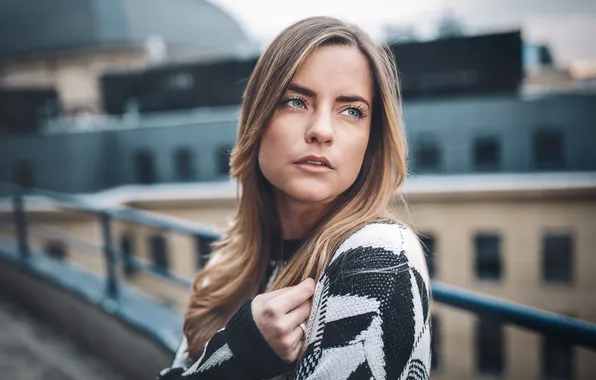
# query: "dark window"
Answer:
x=184 y=161
x=488 y=256
x=23 y=174
x=428 y=244
x=487 y=154
x=223 y=160
x=490 y=358
x=204 y=251
x=159 y=252
x=548 y=149
x=145 y=167
x=127 y=249
x=435 y=341
x=557 y=359
x=545 y=56
x=557 y=257
x=56 y=249
x=427 y=156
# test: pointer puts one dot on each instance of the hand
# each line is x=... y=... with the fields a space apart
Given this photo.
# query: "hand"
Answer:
x=278 y=316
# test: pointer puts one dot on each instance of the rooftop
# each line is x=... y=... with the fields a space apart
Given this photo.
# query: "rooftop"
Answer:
x=465 y=187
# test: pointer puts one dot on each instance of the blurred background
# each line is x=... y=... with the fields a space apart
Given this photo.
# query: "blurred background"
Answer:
x=116 y=122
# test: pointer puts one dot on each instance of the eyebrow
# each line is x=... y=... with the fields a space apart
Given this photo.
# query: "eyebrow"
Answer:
x=351 y=99
x=342 y=98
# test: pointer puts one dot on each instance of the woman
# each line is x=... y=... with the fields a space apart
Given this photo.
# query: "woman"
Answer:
x=321 y=151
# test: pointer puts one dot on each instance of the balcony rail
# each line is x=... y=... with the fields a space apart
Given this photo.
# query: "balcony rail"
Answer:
x=548 y=324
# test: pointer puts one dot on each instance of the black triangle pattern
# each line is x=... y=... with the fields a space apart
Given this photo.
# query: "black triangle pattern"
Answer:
x=381 y=274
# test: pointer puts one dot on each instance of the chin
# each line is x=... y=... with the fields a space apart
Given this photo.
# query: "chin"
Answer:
x=310 y=191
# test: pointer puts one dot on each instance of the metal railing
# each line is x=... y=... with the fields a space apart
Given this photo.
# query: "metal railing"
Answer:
x=548 y=324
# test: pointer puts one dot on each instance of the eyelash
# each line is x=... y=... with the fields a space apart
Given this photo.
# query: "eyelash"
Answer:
x=361 y=110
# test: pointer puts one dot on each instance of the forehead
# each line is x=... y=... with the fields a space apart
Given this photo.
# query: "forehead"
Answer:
x=339 y=69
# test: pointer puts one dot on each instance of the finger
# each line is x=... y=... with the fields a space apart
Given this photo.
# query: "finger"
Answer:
x=295 y=296
x=297 y=336
x=299 y=314
x=275 y=293
x=300 y=340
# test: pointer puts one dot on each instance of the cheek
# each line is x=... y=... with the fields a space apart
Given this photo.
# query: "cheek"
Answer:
x=271 y=151
x=266 y=150
x=355 y=155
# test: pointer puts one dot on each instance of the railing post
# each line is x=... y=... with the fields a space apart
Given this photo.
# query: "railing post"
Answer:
x=110 y=256
x=20 y=221
x=203 y=249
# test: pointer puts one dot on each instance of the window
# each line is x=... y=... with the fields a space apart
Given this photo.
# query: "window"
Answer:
x=428 y=244
x=557 y=257
x=223 y=160
x=487 y=154
x=489 y=347
x=184 y=165
x=127 y=250
x=548 y=149
x=159 y=252
x=488 y=256
x=145 y=167
x=427 y=156
x=435 y=340
x=203 y=251
x=23 y=174
x=55 y=249
x=557 y=359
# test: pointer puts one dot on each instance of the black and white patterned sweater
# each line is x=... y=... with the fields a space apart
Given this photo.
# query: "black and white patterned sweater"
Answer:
x=370 y=320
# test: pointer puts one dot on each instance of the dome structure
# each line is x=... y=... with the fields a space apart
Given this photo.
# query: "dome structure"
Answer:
x=186 y=28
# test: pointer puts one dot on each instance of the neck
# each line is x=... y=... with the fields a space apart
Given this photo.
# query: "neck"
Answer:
x=298 y=218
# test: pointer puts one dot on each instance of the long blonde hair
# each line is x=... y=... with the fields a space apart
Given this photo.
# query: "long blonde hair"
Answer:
x=243 y=252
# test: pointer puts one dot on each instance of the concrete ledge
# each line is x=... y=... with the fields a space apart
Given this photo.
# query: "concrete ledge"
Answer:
x=131 y=336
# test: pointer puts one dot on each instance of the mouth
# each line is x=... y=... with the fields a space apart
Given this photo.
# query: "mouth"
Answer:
x=314 y=161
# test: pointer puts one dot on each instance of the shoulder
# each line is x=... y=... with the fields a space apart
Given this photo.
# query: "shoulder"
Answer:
x=378 y=239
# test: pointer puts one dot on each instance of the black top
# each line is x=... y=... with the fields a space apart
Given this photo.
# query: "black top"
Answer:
x=279 y=258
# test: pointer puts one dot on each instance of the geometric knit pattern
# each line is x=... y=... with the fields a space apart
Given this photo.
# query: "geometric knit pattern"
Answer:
x=370 y=317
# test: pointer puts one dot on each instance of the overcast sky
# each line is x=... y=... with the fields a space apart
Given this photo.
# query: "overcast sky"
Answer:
x=569 y=26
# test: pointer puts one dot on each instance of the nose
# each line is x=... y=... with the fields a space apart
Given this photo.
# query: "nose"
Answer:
x=320 y=129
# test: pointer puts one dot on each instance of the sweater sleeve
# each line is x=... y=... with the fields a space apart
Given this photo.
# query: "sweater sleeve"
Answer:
x=237 y=351
x=370 y=317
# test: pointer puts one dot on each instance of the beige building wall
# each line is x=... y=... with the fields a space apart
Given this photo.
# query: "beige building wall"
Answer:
x=82 y=236
x=521 y=225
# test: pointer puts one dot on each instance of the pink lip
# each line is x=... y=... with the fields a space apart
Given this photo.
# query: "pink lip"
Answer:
x=302 y=162
x=313 y=168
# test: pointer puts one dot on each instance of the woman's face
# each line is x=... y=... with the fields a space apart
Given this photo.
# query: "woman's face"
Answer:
x=313 y=148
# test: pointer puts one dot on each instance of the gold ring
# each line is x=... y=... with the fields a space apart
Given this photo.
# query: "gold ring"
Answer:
x=303 y=329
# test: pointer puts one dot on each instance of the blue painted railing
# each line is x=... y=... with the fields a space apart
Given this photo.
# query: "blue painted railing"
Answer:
x=548 y=324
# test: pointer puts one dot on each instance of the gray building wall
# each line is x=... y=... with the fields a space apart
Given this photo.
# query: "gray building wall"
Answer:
x=457 y=123
x=86 y=162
